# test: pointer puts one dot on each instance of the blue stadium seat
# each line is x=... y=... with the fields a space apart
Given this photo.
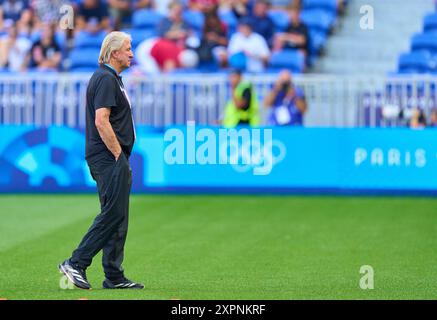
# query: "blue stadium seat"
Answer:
x=280 y=19
x=139 y=35
x=414 y=62
x=317 y=41
x=317 y=19
x=327 y=5
x=424 y=41
x=430 y=22
x=292 y=60
x=85 y=39
x=228 y=17
x=146 y=18
x=84 y=58
x=195 y=19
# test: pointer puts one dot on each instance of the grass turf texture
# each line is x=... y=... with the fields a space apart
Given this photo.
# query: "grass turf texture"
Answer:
x=229 y=247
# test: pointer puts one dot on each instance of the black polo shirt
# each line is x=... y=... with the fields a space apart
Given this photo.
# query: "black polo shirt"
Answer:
x=105 y=90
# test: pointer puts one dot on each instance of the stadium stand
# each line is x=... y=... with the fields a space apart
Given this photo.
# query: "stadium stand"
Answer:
x=422 y=57
x=287 y=59
x=319 y=15
x=414 y=62
x=373 y=32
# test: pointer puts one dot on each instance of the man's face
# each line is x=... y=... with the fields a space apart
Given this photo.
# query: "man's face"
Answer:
x=234 y=79
x=285 y=76
x=125 y=55
x=47 y=32
x=294 y=15
x=176 y=11
x=260 y=9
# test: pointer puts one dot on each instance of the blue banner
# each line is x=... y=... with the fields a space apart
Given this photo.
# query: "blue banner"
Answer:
x=206 y=159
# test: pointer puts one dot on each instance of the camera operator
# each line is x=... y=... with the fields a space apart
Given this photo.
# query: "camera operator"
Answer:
x=287 y=102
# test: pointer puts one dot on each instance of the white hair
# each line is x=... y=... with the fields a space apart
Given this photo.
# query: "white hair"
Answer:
x=112 y=42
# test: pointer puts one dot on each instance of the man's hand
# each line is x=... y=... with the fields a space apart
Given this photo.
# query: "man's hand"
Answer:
x=106 y=132
x=117 y=156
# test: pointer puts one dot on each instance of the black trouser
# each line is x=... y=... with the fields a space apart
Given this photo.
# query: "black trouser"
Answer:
x=109 y=229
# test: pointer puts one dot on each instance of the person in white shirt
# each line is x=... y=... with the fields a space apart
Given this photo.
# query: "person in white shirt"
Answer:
x=13 y=50
x=251 y=44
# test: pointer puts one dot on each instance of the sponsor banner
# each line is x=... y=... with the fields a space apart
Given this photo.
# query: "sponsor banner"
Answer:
x=195 y=158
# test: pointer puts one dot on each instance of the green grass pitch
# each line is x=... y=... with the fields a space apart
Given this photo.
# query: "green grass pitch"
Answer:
x=229 y=247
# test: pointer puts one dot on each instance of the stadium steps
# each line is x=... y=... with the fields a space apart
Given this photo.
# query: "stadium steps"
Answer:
x=376 y=50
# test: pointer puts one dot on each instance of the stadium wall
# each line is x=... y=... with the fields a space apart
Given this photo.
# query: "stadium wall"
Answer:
x=189 y=159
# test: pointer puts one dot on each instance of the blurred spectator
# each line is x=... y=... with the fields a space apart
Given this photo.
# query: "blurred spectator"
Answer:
x=162 y=6
x=418 y=119
x=145 y=4
x=122 y=10
x=243 y=108
x=296 y=36
x=214 y=41
x=248 y=50
x=262 y=23
x=283 y=4
x=149 y=63
x=174 y=27
x=287 y=102
x=13 y=50
x=119 y=10
x=341 y=6
x=241 y=8
x=45 y=54
x=145 y=62
x=433 y=118
x=16 y=11
x=174 y=32
x=13 y=9
x=47 y=11
x=93 y=16
x=166 y=54
x=203 y=5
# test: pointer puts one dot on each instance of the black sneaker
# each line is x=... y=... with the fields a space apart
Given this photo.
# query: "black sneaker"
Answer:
x=122 y=284
x=76 y=275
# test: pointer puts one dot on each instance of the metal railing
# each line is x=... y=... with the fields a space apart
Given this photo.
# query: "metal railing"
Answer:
x=333 y=101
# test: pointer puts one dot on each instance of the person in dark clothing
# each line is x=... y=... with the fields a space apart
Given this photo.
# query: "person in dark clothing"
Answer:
x=173 y=33
x=241 y=8
x=110 y=137
x=261 y=22
x=243 y=107
x=93 y=16
x=296 y=36
x=18 y=12
x=45 y=53
x=214 y=41
x=286 y=101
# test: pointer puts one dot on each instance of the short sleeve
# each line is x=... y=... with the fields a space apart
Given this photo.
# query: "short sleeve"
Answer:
x=105 y=93
x=262 y=47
